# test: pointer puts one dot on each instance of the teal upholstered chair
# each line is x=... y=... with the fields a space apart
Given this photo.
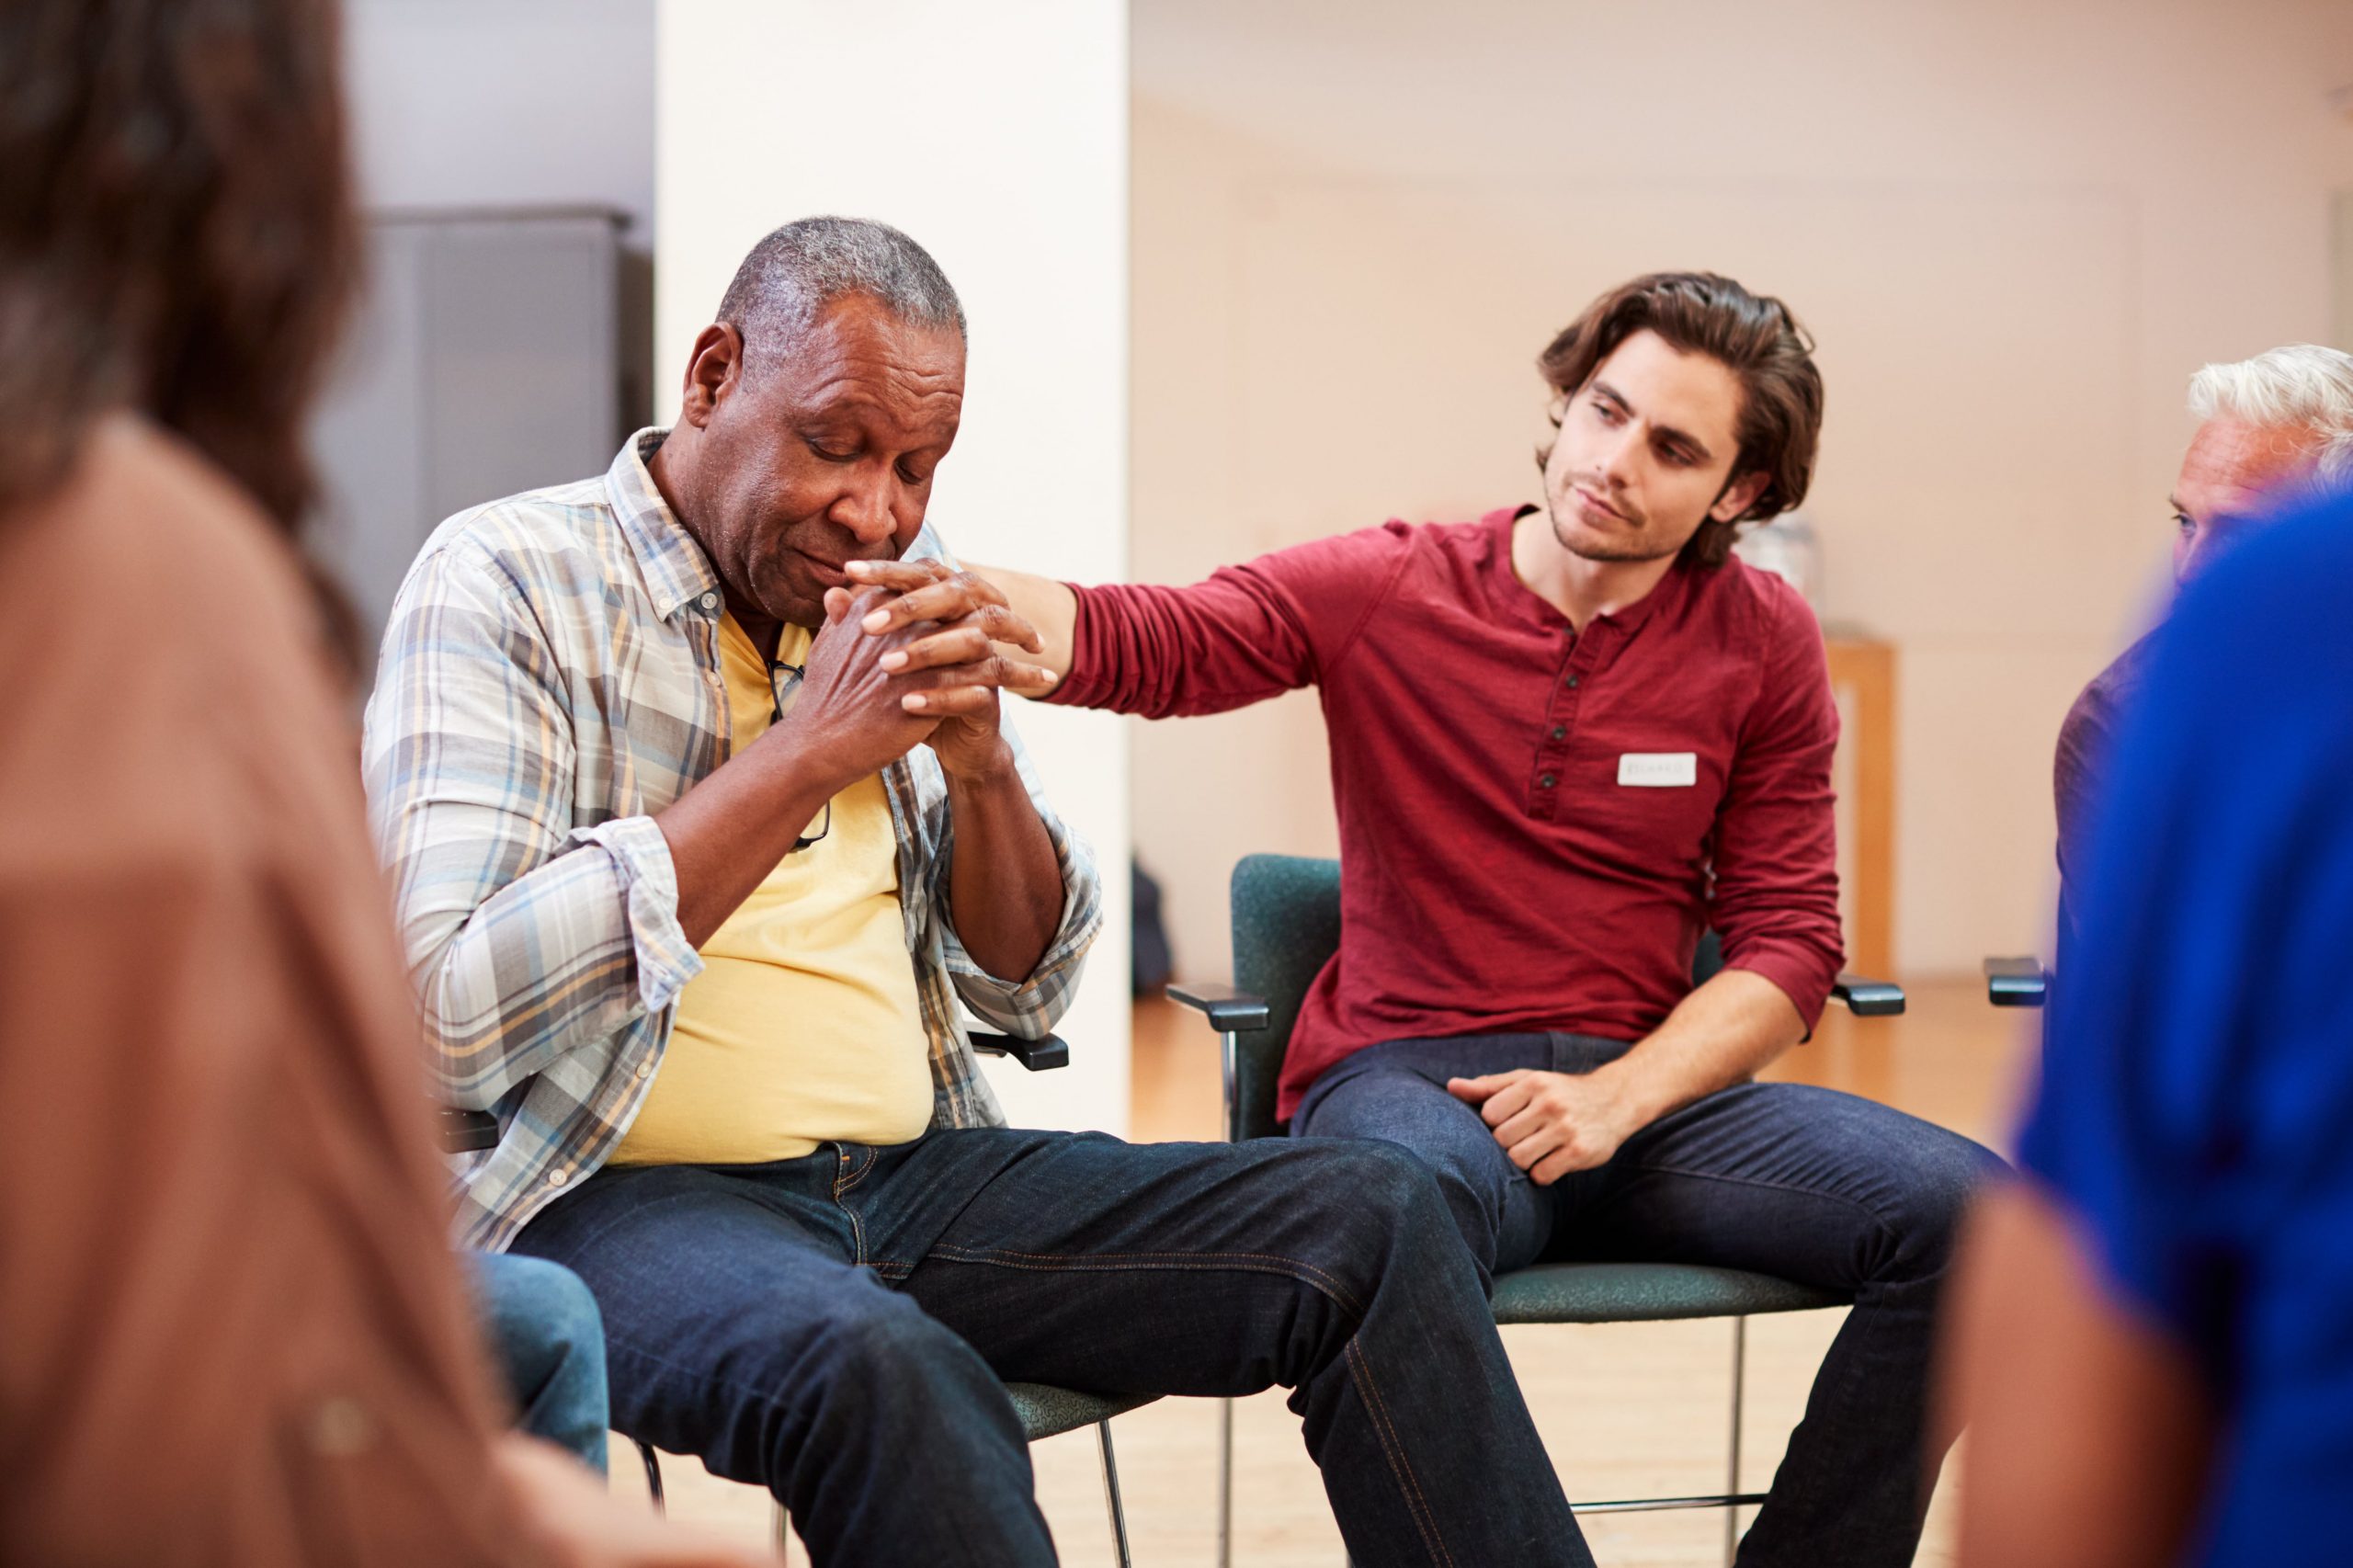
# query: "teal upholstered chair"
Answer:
x=1045 y=1412
x=1286 y=925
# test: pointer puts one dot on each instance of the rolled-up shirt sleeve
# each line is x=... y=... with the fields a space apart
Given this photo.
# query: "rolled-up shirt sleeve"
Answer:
x=1774 y=905
x=526 y=936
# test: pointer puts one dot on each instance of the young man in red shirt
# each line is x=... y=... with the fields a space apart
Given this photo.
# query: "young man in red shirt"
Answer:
x=1565 y=740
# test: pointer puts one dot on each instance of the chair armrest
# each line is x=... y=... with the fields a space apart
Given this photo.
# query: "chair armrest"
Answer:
x=2017 y=983
x=1229 y=1011
x=466 y=1131
x=1867 y=999
x=1038 y=1055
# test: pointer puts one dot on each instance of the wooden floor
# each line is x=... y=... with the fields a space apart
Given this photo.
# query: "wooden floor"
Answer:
x=1626 y=1410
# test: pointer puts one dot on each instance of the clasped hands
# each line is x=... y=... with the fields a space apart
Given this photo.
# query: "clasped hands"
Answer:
x=908 y=657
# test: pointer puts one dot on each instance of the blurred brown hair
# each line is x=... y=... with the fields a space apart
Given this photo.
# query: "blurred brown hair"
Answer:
x=177 y=230
x=1754 y=337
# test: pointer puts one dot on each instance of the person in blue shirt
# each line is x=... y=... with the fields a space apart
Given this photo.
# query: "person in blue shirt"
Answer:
x=2154 y=1331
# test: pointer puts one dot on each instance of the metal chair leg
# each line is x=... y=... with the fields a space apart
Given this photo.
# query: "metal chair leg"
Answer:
x=1229 y=1048
x=1225 y=1484
x=653 y=1475
x=1732 y=1472
x=1111 y=1496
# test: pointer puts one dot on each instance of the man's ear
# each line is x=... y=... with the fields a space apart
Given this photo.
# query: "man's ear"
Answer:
x=1740 y=495
x=713 y=372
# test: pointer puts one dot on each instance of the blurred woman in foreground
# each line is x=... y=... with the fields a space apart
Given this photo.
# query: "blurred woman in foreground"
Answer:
x=233 y=1329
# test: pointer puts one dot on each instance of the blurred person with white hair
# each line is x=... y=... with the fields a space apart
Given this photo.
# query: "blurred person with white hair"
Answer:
x=2272 y=430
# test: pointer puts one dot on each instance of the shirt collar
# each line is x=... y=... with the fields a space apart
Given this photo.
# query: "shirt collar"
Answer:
x=677 y=572
x=1668 y=590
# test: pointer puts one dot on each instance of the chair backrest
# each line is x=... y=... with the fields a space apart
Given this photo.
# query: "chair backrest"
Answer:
x=1286 y=925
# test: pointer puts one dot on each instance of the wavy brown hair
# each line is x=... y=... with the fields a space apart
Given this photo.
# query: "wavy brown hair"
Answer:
x=1754 y=337
x=177 y=230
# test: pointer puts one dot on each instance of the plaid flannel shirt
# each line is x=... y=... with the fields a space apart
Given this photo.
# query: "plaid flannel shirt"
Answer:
x=549 y=680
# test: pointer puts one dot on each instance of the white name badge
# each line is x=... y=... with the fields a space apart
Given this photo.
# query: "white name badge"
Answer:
x=1659 y=769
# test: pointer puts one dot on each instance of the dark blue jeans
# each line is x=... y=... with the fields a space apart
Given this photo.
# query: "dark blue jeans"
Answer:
x=1812 y=1185
x=836 y=1328
x=544 y=1334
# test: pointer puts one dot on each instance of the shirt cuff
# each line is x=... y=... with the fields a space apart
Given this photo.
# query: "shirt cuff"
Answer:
x=1030 y=1007
x=1082 y=685
x=641 y=857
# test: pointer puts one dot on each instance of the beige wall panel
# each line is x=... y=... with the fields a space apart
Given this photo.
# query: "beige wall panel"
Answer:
x=1975 y=833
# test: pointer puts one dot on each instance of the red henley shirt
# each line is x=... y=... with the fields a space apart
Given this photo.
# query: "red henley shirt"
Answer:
x=1536 y=826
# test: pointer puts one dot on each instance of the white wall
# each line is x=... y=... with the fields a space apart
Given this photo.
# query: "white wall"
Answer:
x=498 y=102
x=997 y=135
x=2016 y=227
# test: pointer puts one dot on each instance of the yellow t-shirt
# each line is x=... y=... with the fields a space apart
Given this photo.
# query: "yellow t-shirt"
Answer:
x=803 y=1025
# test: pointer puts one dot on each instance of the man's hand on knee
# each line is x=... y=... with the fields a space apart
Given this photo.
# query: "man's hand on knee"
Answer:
x=1551 y=1123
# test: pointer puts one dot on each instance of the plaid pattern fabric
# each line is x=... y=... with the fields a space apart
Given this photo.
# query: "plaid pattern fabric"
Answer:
x=549 y=680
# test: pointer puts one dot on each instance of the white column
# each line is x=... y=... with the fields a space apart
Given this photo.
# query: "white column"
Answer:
x=997 y=136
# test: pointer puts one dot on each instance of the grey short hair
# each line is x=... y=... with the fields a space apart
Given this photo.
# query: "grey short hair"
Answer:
x=2302 y=388
x=794 y=274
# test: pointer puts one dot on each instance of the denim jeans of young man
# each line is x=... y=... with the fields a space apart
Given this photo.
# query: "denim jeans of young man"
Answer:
x=549 y=1343
x=839 y=1327
x=1813 y=1185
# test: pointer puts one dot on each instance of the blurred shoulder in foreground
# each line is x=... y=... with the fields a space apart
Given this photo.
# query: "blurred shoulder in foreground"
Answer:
x=226 y=1248
x=2151 y=1340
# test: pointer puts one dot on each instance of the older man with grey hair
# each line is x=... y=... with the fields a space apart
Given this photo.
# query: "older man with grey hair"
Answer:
x=2271 y=431
x=695 y=872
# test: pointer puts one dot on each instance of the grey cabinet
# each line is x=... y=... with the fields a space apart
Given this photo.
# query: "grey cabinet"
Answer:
x=485 y=357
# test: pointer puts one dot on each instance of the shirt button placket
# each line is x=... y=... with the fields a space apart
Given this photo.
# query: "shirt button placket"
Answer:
x=1555 y=737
